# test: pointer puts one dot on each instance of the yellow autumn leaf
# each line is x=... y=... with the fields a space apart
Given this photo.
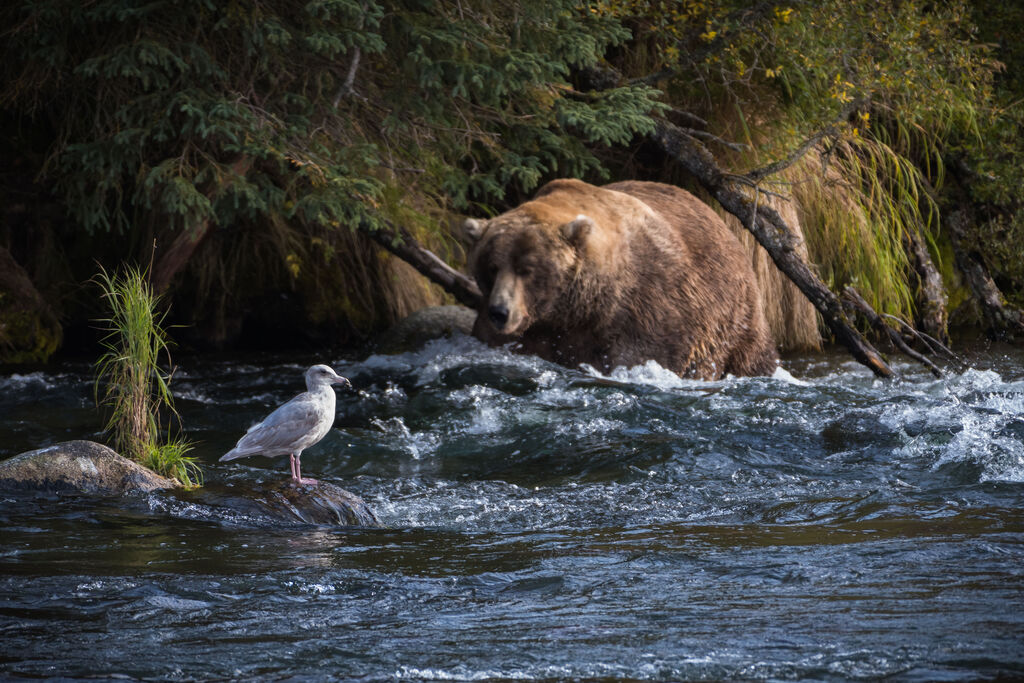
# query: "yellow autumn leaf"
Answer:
x=293 y=264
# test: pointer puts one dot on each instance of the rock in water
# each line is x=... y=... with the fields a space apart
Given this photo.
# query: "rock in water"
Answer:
x=322 y=504
x=425 y=324
x=84 y=466
x=284 y=502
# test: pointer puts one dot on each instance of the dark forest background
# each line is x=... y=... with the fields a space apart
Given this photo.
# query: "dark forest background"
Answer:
x=245 y=152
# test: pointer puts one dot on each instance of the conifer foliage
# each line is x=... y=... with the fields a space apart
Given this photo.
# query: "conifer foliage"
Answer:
x=255 y=136
x=251 y=141
x=154 y=103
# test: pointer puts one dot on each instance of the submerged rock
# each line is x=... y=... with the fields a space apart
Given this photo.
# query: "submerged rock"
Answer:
x=84 y=466
x=324 y=503
x=284 y=501
x=426 y=324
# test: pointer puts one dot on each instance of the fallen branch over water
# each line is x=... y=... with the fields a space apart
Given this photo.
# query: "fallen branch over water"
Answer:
x=857 y=302
x=402 y=244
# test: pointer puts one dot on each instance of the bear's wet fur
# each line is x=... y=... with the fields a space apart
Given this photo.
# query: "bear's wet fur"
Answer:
x=619 y=275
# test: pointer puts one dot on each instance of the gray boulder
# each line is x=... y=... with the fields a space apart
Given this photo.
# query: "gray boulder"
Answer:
x=84 y=466
x=324 y=503
x=426 y=324
x=284 y=502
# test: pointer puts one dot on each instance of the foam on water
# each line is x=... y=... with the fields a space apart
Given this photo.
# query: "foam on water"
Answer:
x=398 y=434
x=432 y=358
x=974 y=418
x=37 y=379
x=783 y=375
x=650 y=374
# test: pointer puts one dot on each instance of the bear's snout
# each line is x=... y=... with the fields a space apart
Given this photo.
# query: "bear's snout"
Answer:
x=498 y=314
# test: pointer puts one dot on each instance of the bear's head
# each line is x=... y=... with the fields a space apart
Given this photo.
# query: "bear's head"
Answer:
x=537 y=262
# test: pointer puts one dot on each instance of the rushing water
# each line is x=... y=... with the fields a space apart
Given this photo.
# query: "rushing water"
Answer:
x=544 y=523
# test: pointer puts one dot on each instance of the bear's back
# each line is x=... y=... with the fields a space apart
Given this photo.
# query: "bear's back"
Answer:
x=719 y=299
x=703 y=232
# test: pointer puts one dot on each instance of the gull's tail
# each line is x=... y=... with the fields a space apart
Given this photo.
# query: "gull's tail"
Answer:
x=233 y=454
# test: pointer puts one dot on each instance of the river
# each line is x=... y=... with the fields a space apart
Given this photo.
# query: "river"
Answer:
x=542 y=522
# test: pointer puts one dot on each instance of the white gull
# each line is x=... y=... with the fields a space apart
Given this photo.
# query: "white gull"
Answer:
x=296 y=425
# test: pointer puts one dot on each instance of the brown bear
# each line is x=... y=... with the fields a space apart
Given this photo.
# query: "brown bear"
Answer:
x=619 y=275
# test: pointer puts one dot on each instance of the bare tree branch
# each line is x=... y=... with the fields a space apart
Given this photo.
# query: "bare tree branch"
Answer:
x=399 y=242
x=857 y=302
x=933 y=345
x=810 y=143
x=348 y=87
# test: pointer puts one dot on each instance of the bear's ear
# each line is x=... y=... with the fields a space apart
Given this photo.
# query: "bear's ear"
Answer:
x=473 y=228
x=577 y=230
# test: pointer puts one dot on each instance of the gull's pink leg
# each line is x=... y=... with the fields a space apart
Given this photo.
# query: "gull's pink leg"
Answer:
x=297 y=474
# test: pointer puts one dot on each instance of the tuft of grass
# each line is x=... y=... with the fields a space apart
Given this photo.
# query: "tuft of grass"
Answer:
x=170 y=460
x=135 y=388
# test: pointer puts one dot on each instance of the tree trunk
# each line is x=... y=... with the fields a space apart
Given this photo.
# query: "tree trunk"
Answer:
x=772 y=233
x=931 y=295
x=1001 y=320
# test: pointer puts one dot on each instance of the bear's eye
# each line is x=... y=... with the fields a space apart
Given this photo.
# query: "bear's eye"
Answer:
x=524 y=270
x=489 y=274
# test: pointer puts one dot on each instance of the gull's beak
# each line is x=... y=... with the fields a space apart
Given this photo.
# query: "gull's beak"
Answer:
x=338 y=379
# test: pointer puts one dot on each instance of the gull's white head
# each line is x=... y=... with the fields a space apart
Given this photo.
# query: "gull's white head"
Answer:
x=323 y=375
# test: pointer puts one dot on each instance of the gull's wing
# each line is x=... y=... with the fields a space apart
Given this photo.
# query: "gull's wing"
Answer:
x=281 y=431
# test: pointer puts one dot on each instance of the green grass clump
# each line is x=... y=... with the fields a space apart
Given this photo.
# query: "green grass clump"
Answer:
x=135 y=387
x=170 y=460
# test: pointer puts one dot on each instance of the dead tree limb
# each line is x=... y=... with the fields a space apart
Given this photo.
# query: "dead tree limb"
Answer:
x=857 y=302
x=174 y=256
x=934 y=346
x=771 y=232
x=931 y=294
x=399 y=242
